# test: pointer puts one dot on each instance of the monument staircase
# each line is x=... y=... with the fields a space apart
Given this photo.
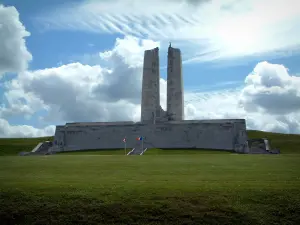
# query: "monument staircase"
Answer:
x=42 y=148
x=261 y=146
x=138 y=149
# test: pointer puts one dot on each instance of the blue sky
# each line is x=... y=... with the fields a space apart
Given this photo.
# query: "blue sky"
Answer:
x=240 y=60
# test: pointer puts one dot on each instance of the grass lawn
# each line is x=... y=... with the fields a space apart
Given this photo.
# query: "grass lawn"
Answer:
x=161 y=187
x=164 y=189
x=96 y=152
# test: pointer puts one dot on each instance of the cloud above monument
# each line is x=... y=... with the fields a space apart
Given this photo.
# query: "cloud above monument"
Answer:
x=77 y=92
x=209 y=30
x=271 y=89
x=268 y=100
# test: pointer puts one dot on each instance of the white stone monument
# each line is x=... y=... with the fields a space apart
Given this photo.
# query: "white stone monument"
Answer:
x=159 y=129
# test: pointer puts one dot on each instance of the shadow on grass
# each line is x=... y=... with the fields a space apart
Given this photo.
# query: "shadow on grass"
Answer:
x=30 y=210
x=27 y=208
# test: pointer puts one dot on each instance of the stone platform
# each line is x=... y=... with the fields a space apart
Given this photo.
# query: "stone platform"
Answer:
x=200 y=134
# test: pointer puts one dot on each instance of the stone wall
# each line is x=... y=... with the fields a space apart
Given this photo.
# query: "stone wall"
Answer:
x=209 y=134
x=59 y=136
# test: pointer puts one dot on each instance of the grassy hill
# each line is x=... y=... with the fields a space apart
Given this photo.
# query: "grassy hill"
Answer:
x=287 y=143
x=12 y=146
x=169 y=189
x=178 y=187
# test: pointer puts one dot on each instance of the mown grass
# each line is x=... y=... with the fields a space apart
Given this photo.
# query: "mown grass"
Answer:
x=162 y=187
x=165 y=189
x=155 y=151
x=96 y=152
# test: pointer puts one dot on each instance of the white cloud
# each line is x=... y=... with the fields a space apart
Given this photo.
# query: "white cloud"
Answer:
x=269 y=101
x=226 y=104
x=14 y=56
x=7 y=130
x=271 y=89
x=209 y=30
x=77 y=92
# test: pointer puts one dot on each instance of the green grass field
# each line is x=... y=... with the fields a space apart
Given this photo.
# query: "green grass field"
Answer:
x=161 y=187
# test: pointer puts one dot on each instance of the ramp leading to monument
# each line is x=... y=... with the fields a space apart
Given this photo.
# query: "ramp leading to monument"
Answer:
x=36 y=148
x=129 y=153
x=144 y=151
x=137 y=151
x=42 y=148
x=261 y=146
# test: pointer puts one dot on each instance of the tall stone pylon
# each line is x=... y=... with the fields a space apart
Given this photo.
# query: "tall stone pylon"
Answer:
x=175 y=99
x=150 y=86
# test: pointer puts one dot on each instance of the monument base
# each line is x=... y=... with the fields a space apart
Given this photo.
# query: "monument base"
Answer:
x=198 y=134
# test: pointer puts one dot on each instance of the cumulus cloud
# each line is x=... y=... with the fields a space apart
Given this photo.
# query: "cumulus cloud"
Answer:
x=226 y=105
x=7 y=130
x=269 y=100
x=14 y=56
x=125 y=78
x=112 y=91
x=77 y=92
x=272 y=90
